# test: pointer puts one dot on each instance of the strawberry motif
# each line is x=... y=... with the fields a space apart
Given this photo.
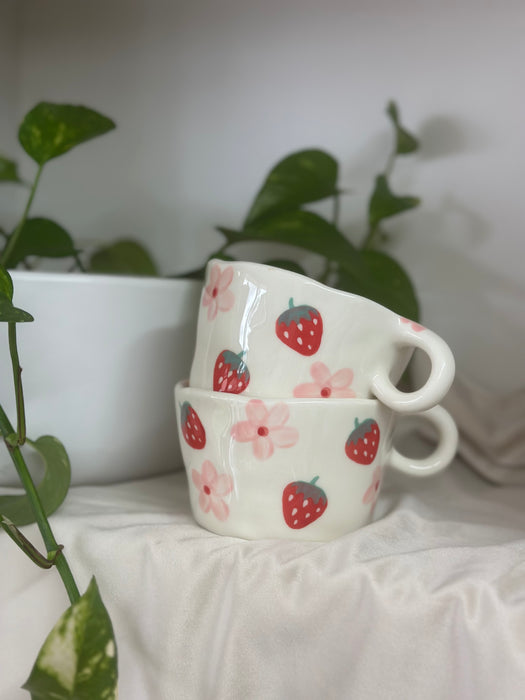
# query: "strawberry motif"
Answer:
x=301 y=328
x=303 y=502
x=191 y=426
x=363 y=442
x=231 y=373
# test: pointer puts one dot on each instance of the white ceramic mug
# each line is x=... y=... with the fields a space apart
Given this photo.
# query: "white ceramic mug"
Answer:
x=263 y=331
x=304 y=469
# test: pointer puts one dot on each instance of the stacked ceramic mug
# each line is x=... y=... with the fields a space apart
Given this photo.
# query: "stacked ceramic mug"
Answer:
x=286 y=423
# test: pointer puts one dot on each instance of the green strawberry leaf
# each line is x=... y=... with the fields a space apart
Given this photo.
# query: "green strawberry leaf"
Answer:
x=384 y=203
x=405 y=141
x=52 y=489
x=125 y=257
x=302 y=229
x=49 y=129
x=78 y=660
x=302 y=177
x=9 y=171
x=383 y=280
x=42 y=237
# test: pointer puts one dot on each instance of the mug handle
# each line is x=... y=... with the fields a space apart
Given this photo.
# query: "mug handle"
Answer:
x=438 y=383
x=441 y=456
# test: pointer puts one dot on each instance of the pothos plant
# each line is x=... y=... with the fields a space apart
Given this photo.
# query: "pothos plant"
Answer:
x=79 y=657
x=78 y=660
x=46 y=132
x=278 y=214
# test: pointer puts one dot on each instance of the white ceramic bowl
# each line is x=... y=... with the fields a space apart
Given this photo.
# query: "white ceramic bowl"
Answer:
x=99 y=363
x=293 y=468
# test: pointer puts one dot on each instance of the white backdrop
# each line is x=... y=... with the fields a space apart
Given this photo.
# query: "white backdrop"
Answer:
x=209 y=95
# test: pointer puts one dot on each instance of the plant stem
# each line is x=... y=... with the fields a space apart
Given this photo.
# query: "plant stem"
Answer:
x=390 y=163
x=79 y=262
x=19 y=392
x=325 y=274
x=43 y=524
x=336 y=211
x=368 y=243
x=4 y=258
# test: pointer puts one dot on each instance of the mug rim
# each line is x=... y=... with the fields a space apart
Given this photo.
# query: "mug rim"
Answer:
x=184 y=385
x=302 y=278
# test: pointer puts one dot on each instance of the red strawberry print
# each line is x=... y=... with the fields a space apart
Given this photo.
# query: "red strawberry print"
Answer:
x=303 y=503
x=191 y=426
x=363 y=441
x=231 y=373
x=301 y=328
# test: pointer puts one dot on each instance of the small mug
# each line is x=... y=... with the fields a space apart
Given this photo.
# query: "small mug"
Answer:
x=303 y=469
x=267 y=332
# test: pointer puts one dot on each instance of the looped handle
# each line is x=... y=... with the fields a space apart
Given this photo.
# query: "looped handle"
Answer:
x=441 y=456
x=438 y=383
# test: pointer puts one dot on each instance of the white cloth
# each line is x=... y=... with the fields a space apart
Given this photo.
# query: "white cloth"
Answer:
x=492 y=430
x=427 y=602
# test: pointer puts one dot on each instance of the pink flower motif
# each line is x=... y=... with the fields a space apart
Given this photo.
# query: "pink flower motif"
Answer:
x=414 y=325
x=373 y=490
x=326 y=385
x=212 y=487
x=265 y=428
x=217 y=296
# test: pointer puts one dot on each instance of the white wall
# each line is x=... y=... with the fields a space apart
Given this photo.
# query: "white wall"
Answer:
x=209 y=94
x=9 y=65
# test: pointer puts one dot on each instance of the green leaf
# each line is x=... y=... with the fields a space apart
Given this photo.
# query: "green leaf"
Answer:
x=6 y=283
x=124 y=257
x=12 y=314
x=287 y=265
x=302 y=229
x=42 y=237
x=53 y=487
x=384 y=203
x=8 y=171
x=383 y=280
x=50 y=129
x=405 y=141
x=78 y=660
x=302 y=177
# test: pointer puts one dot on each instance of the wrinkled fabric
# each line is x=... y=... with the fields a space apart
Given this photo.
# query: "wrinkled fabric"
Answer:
x=492 y=430
x=427 y=602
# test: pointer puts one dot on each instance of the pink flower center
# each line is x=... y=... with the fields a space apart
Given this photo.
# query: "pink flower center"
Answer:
x=262 y=431
x=214 y=292
x=206 y=489
x=326 y=391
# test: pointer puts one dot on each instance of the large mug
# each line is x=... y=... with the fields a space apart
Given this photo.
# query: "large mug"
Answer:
x=267 y=332
x=304 y=469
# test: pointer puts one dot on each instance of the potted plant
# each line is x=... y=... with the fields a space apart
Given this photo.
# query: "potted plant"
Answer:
x=104 y=350
x=124 y=340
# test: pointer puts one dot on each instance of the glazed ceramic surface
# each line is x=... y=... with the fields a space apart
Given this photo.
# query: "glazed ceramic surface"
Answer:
x=99 y=364
x=263 y=331
x=306 y=469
